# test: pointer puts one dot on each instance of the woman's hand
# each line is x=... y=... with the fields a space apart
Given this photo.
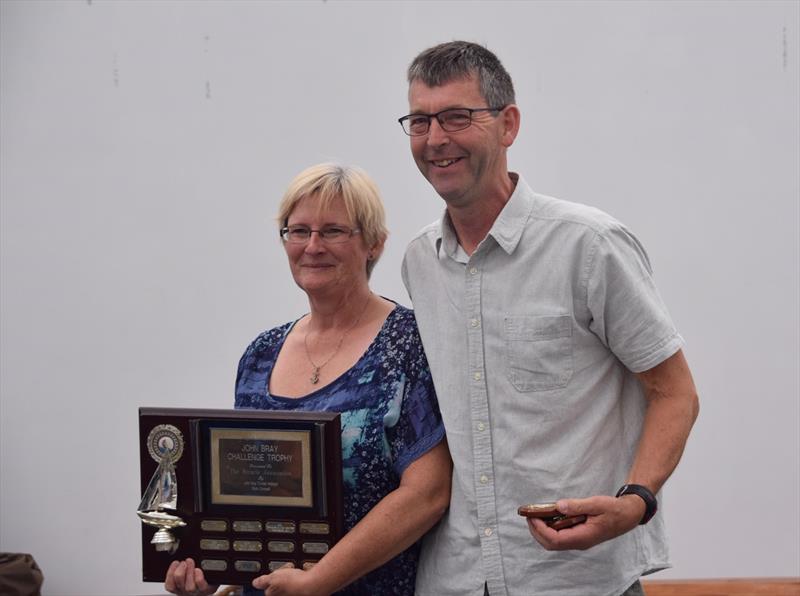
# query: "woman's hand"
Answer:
x=289 y=582
x=184 y=579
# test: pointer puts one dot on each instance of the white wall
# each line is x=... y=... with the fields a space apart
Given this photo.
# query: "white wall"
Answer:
x=144 y=148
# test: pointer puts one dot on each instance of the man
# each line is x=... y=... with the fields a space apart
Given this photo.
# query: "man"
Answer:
x=559 y=373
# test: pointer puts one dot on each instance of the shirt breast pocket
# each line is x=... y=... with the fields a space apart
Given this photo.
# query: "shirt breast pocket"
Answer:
x=539 y=351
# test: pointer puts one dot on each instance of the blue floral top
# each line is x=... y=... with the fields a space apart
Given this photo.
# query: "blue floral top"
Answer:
x=389 y=416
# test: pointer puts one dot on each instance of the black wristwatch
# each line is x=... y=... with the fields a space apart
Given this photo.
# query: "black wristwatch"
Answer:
x=650 y=502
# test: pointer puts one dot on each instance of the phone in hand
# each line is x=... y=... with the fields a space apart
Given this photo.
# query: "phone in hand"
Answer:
x=551 y=515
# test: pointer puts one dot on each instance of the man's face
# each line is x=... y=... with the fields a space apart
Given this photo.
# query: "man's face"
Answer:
x=461 y=166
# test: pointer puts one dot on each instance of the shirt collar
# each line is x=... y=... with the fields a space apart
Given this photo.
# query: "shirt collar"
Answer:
x=506 y=230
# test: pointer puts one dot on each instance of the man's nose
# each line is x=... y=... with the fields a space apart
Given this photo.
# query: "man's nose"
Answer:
x=437 y=136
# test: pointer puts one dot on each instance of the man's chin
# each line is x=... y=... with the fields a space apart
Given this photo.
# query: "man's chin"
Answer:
x=447 y=189
x=451 y=194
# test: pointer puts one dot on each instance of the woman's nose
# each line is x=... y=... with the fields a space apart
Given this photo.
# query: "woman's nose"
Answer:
x=315 y=243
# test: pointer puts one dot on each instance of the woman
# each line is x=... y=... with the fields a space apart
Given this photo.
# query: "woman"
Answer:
x=358 y=354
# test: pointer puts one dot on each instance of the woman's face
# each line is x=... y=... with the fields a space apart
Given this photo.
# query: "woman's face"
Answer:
x=323 y=266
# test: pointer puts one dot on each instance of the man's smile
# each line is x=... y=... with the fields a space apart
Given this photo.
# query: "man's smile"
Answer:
x=444 y=163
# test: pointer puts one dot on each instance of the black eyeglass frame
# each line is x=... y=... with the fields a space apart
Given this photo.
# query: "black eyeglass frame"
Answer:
x=439 y=120
x=349 y=233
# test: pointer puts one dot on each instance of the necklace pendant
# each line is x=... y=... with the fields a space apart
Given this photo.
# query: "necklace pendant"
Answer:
x=314 y=378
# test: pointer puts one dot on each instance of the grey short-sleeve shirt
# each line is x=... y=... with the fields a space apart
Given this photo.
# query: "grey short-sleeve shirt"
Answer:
x=533 y=342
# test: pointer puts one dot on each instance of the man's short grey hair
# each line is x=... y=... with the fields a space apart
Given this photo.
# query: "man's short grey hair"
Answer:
x=456 y=60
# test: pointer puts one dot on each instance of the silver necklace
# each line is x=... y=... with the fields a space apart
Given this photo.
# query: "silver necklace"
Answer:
x=314 y=378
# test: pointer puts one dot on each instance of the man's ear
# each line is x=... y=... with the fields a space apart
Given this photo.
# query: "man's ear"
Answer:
x=511 y=120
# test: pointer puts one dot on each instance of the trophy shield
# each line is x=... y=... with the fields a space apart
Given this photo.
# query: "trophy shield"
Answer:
x=259 y=490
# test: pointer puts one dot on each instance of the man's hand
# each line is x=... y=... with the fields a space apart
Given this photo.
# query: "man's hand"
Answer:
x=287 y=581
x=184 y=579
x=607 y=518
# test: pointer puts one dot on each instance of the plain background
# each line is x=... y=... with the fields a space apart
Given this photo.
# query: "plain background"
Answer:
x=145 y=146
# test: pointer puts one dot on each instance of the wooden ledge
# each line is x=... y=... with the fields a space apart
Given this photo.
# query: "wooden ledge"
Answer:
x=757 y=586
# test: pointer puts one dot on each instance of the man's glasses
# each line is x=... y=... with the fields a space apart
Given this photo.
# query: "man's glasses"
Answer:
x=328 y=234
x=453 y=120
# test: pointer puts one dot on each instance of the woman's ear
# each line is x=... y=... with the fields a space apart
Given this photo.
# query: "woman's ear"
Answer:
x=376 y=250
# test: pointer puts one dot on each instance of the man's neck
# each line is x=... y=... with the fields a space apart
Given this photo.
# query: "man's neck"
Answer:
x=472 y=222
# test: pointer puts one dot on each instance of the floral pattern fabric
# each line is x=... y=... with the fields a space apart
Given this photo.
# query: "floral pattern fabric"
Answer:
x=389 y=416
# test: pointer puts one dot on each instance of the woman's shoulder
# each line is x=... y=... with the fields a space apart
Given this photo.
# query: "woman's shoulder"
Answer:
x=399 y=334
x=270 y=338
x=401 y=315
x=401 y=325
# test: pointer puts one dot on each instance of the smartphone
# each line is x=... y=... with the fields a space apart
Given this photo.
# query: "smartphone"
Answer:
x=551 y=515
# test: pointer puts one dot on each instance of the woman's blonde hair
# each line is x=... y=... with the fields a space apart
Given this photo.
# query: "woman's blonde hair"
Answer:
x=325 y=183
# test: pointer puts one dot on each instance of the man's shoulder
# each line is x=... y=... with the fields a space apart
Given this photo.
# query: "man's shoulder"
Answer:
x=551 y=209
x=425 y=238
x=432 y=229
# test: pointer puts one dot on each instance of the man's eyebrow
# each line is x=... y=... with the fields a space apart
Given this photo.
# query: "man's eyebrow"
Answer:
x=421 y=113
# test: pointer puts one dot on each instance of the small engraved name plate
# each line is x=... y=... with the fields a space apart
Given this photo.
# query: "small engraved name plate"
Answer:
x=214 y=544
x=275 y=565
x=214 y=525
x=248 y=546
x=213 y=565
x=247 y=526
x=280 y=527
x=314 y=528
x=280 y=546
x=315 y=548
x=248 y=566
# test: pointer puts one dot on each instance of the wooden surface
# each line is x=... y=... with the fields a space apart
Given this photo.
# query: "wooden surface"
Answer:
x=787 y=586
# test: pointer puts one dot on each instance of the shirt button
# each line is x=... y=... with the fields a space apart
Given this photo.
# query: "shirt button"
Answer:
x=473 y=270
x=487 y=532
x=474 y=323
x=484 y=479
x=481 y=426
x=477 y=376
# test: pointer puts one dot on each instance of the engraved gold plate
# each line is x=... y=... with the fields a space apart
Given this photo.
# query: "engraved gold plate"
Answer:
x=213 y=565
x=315 y=528
x=315 y=548
x=280 y=546
x=214 y=525
x=214 y=544
x=247 y=566
x=247 y=546
x=280 y=527
x=275 y=565
x=247 y=526
x=269 y=467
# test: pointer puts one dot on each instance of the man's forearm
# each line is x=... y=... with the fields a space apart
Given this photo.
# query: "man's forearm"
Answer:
x=672 y=409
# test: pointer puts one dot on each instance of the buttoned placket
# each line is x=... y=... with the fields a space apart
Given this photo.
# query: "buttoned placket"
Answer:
x=483 y=475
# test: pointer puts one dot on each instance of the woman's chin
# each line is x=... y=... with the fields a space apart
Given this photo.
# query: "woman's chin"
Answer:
x=315 y=283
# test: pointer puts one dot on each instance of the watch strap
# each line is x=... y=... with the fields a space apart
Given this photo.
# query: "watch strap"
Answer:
x=650 y=501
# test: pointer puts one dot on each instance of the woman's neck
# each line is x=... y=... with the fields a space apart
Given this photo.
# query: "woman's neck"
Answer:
x=339 y=311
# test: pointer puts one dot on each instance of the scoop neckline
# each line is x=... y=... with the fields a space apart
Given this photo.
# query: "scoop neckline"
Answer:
x=338 y=379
